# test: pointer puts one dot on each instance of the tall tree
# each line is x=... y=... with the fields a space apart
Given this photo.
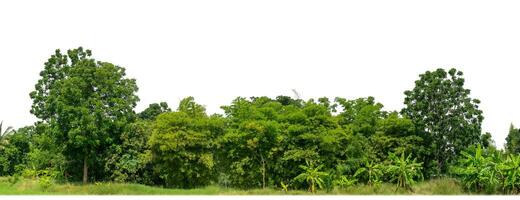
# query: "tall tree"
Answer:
x=252 y=140
x=513 y=140
x=86 y=102
x=442 y=108
x=487 y=141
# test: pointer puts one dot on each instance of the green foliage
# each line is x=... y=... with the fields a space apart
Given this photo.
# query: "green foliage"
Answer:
x=252 y=141
x=510 y=171
x=312 y=176
x=404 y=170
x=87 y=104
x=88 y=127
x=442 y=108
x=45 y=180
x=154 y=110
x=344 y=182
x=361 y=114
x=13 y=152
x=4 y=133
x=44 y=153
x=371 y=172
x=285 y=187
x=14 y=179
x=29 y=187
x=130 y=160
x=513 y=140
x=478 y=172
x=182 y=147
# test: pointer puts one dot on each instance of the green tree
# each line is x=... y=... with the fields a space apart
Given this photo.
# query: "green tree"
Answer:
x=487 y=140
x=513 y=140
x=183 y=146
x=398 y=135
x=130 y=161
x=443 y=110
x=252 y=140
x=361 y=115
x=13 y=151
x=154 y=110
x=86 y=102
x=45 y=154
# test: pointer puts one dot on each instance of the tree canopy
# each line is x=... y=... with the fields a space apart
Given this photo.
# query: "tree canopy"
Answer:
x=443 y=110
x=86 y=102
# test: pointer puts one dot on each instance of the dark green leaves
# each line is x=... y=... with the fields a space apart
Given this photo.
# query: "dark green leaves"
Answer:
x=441 y=107
x=86 y=102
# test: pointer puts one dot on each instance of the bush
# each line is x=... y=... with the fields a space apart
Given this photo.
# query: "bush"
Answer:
x=14 y=179
x=45 y=182
x=29 y=173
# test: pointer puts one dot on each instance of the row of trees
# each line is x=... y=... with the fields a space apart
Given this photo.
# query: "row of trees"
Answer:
x=88 y=131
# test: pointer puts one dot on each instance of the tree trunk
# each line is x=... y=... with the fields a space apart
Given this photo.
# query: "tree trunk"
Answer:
x=85 y=171
x=263 y=175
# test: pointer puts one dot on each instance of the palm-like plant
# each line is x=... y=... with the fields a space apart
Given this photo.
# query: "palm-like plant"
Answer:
x=477 y=171
x=372 y=171
x=404 y=170
x=4 y=133
x=344 y=182
x=510 y=170
x=312 y=175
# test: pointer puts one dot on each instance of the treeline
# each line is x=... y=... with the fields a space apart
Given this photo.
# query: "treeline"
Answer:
x=88 y=131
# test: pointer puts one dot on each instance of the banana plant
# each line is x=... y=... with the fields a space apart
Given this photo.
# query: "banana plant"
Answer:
x=478 y=172
x=312 y=175
x=404 y=170
x=510 y=170
x=344 y=182
x=372 y=172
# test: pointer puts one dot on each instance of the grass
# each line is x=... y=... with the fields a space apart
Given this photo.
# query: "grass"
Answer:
x=31 y=187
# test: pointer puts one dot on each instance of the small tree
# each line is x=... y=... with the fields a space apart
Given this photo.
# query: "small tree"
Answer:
x=404 y=170
x=312 y=175
x=513 y=140
x=371 y=171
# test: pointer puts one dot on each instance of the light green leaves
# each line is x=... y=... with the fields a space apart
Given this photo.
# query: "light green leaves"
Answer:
x=312 y=175
x=182 y=146
x=404 y=170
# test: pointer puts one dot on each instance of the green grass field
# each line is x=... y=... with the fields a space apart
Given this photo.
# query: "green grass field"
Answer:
x=31 y=187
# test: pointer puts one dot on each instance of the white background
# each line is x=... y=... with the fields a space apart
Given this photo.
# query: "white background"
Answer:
x=218 y=50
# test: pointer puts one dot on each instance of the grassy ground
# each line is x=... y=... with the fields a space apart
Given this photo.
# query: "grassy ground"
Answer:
x=30 y=187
